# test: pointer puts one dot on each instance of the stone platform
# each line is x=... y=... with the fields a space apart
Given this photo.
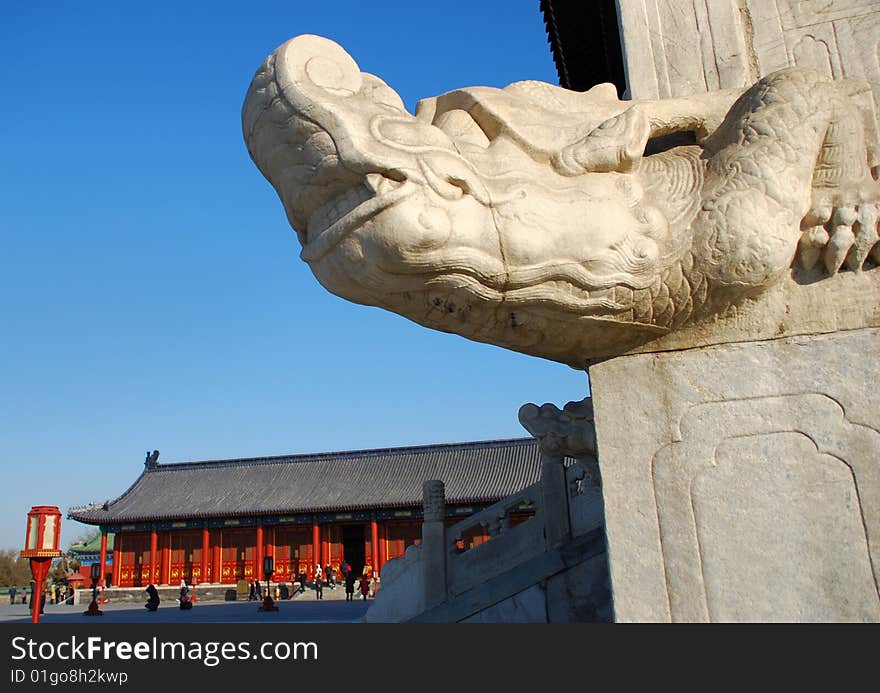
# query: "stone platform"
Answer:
x=742 y=481
x=205 y=592
x=210 y=593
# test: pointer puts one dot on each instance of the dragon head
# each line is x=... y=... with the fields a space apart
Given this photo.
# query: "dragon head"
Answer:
x=499 y=215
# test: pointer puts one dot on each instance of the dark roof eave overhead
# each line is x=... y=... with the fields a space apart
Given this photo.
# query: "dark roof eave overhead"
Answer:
x=584 y=38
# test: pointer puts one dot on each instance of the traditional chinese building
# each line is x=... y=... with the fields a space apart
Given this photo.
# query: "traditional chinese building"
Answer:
x=214 y=521
x=98 y=549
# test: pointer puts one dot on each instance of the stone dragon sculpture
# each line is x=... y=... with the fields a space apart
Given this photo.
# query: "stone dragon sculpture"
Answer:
x=561 y=224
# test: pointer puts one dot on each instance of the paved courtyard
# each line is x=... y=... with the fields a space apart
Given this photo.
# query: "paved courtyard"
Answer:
x=304 y=609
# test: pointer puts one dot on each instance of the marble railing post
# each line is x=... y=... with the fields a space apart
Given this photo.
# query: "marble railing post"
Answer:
x=554 y=500
x=568 y=432
x=434 y=542
x=496 y=525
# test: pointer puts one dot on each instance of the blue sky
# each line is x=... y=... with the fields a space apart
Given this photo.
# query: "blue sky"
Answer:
x=154 y=298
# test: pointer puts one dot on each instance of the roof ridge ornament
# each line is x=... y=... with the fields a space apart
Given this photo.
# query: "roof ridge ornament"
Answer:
x=151 y=461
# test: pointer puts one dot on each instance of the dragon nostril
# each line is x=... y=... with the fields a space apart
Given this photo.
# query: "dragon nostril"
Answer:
x=332 y=76
x=409 y=134
x=313 y=68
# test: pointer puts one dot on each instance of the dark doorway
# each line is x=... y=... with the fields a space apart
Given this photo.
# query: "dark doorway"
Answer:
x=353 y=539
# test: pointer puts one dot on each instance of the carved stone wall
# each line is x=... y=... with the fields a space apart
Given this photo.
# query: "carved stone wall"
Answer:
x=659 y=37
x=741 y=40
x=742 y=481
x=434 y=500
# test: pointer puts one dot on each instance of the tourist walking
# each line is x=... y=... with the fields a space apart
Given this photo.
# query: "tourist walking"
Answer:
x=12 y=592
x=319 y=583
x=365 y=586
x=349 y=586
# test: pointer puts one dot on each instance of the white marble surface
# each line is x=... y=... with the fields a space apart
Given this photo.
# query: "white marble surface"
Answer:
x=738 y=41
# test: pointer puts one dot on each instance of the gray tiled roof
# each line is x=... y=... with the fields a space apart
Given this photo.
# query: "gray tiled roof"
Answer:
x=392 y=477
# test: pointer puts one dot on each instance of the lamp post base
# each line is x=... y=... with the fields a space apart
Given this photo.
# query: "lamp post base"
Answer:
x=268 y=604
x=93 y=610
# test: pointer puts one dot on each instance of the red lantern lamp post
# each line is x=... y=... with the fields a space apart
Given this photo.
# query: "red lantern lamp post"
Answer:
x=41 y=546
x=268 y=568
x=95 y=574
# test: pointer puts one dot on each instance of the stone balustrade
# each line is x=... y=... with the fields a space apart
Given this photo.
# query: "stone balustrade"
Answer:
x=567 y=504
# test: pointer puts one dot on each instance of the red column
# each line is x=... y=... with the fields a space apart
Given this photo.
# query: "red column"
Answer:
x=216 y=570
x=383 y=548
x=165 y=576
x=316 y=548
x=103 y=560
x=269 y=548
x=206 y=547
x=374 y=545
x=117 y=557
x=154 y=554
x=258 y=555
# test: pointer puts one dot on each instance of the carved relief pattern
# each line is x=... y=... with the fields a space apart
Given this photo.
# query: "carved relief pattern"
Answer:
x=787 y=479
x=662 y=65
x=837 y=38
x=813 y=53
x=434 y=500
